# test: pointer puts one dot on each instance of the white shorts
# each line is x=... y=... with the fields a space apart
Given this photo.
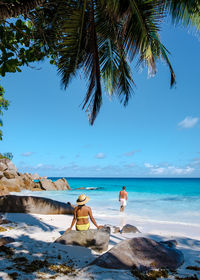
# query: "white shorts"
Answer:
x=122 y=202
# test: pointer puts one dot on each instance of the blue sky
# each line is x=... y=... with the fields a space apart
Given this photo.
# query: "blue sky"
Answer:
x=156 y=135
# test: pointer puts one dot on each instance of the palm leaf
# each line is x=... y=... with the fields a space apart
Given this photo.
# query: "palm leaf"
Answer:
x=71 y=50
x=115 y=69
x=15 y=8
x=93 y=99
x=143 y=21
x=184 y=11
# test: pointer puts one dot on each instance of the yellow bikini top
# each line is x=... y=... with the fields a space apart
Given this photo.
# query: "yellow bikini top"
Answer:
x=82 y=217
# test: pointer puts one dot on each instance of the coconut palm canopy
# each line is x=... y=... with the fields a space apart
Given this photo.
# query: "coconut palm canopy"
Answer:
x=102 y=37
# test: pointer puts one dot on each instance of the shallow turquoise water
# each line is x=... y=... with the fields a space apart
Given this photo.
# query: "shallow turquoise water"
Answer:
x=144 y=185
x=175 y=200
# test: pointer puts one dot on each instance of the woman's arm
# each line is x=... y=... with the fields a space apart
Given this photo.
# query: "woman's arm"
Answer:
x=92 y=219
x=73 y=221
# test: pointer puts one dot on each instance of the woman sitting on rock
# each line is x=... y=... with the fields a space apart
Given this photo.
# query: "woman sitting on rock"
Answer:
x=82 y=214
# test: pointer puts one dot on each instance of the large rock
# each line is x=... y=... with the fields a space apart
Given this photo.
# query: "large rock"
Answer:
x=11 y=166
x=18 y=183
x=95 y=239
x=7 y=164
x=28 y=183
x=47 y=184
x=3 y=166
x=3 y=190
x=11 y=185
x=32 y=204
x=141 y=253
x=129 y=229
x=62 y=184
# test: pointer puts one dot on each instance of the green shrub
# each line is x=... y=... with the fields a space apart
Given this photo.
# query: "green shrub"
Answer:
x=6 y=155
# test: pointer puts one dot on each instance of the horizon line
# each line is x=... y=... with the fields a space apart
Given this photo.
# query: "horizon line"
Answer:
x=86 y=177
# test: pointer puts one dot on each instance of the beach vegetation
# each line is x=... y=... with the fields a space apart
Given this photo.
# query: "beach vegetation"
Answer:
x=99 y=38
x=3 y=106
x=162 y=273
x=17 y=44
x=150 y=274
x=6 y=155
x=157 y=274
x=22 y=264
x=2 y=229
x=62 y=268
x=33 y=266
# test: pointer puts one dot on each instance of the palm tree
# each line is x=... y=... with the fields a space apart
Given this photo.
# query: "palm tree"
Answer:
x=102 y=38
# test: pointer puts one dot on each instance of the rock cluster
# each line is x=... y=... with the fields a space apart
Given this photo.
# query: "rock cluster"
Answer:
x=13 y=181
x=125 y=229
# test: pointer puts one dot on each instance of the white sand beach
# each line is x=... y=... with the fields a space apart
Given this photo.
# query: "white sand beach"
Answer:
x=34 y=236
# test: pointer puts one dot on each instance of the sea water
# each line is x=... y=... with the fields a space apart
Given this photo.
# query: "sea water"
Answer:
x=167 y=200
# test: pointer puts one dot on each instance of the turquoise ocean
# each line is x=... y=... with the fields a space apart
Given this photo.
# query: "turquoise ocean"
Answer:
x=161 y=199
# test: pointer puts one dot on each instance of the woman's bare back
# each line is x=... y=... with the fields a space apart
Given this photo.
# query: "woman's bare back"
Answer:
x=83 y=211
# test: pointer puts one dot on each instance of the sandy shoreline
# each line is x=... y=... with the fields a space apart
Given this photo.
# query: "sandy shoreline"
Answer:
x=34 y=236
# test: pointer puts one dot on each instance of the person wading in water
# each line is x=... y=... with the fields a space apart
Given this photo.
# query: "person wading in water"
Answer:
x=123 y=196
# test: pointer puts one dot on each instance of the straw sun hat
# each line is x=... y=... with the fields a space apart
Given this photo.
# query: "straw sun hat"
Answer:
x=82 y=199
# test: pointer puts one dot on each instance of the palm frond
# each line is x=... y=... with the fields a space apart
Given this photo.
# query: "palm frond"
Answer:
x=141 y=33
x=71 y=50
x=9 y=9
x=109 y=65
x=124 y=88
x=143 y=20
x=163 y=54
x=115 y=70
x=184 y=11
x=93 y=99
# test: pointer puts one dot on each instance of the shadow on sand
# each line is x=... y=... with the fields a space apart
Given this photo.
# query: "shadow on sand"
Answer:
x=30 y=258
